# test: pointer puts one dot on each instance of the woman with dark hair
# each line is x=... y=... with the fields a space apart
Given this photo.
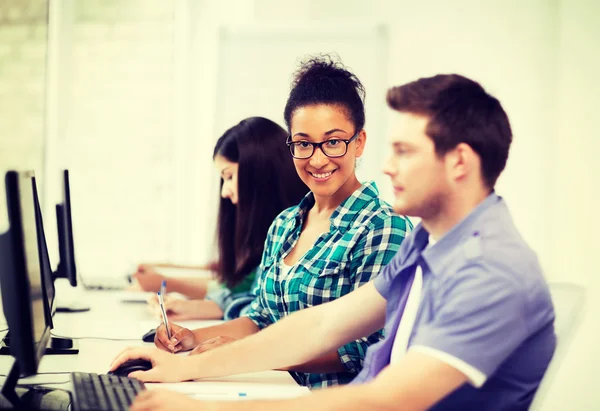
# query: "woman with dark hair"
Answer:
x=335 y=240
x=258 y=181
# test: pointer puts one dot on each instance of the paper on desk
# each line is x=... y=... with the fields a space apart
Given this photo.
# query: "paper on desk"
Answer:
x=231 y=390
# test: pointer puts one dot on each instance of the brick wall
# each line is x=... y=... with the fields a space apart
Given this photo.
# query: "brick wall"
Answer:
x=22 y=73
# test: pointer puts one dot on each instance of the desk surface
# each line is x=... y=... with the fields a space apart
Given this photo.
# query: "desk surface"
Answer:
x=124 y=324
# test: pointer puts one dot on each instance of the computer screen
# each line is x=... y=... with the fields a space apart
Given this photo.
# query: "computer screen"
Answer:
x=20 y=275
x=66 y=266
x=48 y=289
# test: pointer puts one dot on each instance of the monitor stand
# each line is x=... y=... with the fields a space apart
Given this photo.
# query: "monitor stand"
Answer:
x=56 y=345
x=59 y=345
x=69 y=299
x=72 y=307
x=31 y=398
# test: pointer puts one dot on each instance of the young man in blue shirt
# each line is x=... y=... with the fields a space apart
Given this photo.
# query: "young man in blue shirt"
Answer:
x=477 y=329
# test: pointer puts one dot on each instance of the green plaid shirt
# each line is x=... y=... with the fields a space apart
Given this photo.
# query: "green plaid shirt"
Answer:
x=364 y=236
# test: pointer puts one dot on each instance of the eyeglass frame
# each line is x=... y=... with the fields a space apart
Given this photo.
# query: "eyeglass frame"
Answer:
x=289 y=143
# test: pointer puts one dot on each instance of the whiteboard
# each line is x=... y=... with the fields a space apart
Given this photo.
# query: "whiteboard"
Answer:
x=256 y=66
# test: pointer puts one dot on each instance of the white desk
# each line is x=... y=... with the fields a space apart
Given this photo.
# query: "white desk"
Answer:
x=126 y=323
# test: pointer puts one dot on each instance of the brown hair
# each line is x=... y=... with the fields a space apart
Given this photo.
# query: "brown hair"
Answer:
x=459 y=111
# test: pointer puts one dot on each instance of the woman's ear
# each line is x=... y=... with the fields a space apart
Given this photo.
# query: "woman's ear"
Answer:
x=361 y=140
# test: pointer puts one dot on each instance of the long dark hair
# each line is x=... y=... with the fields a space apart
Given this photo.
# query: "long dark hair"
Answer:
x=267 y=184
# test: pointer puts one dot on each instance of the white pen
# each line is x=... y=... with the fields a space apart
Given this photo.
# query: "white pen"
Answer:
x=164 y=314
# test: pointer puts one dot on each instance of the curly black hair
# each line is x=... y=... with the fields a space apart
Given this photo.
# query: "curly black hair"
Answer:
x=325 y=80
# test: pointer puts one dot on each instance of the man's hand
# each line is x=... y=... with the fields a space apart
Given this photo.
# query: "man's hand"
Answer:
x=165 y=367
x=212 y=344
x=147 y=278
x=163 y=400
x=182 y=339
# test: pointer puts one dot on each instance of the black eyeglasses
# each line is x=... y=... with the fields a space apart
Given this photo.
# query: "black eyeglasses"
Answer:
x=333 y=148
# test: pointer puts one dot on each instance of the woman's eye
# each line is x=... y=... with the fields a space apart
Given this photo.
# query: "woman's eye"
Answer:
x=333 y=143
x=303 y=144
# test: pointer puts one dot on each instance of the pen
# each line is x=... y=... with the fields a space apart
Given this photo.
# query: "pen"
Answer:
x=163 y=288
x=164 y=314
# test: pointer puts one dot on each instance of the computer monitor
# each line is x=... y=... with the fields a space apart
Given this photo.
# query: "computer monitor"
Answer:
x=20 y=276
x=66 y=267
x=56 y=345
x=48 y=280
x=22 y=287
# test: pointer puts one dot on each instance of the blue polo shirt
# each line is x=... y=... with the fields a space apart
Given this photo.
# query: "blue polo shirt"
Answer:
x=485 y=309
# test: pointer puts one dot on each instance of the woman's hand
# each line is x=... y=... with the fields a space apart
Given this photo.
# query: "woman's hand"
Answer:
x=179 y=309
x=182 y=339
x=147 y=278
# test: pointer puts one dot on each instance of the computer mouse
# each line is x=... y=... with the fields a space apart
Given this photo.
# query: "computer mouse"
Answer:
x=149 y=336
x=131 y=366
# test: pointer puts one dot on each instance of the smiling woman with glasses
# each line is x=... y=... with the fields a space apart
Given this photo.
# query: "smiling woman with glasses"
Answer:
x=337 y=239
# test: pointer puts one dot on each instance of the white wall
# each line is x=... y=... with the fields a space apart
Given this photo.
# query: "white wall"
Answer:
x=575 y=193
x=114 y=128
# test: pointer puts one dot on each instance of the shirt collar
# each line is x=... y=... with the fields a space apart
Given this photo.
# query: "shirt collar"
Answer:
x=344 y=214
x=437 y=256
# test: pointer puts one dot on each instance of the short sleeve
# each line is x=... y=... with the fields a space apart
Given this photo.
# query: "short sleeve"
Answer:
x=477 y=324
x=258 y=313
x=383 y=282
x=221 y=297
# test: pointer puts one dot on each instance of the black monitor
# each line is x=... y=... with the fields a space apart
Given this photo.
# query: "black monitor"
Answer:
x=47 y=276
x=22 y=286
x=20 y=276
x=66 y=266
x=56 y=345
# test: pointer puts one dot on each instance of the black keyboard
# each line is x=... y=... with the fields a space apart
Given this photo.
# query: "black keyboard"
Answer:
x=103 y=392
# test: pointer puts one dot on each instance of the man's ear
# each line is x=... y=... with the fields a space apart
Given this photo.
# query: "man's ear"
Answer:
x=461 y=160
